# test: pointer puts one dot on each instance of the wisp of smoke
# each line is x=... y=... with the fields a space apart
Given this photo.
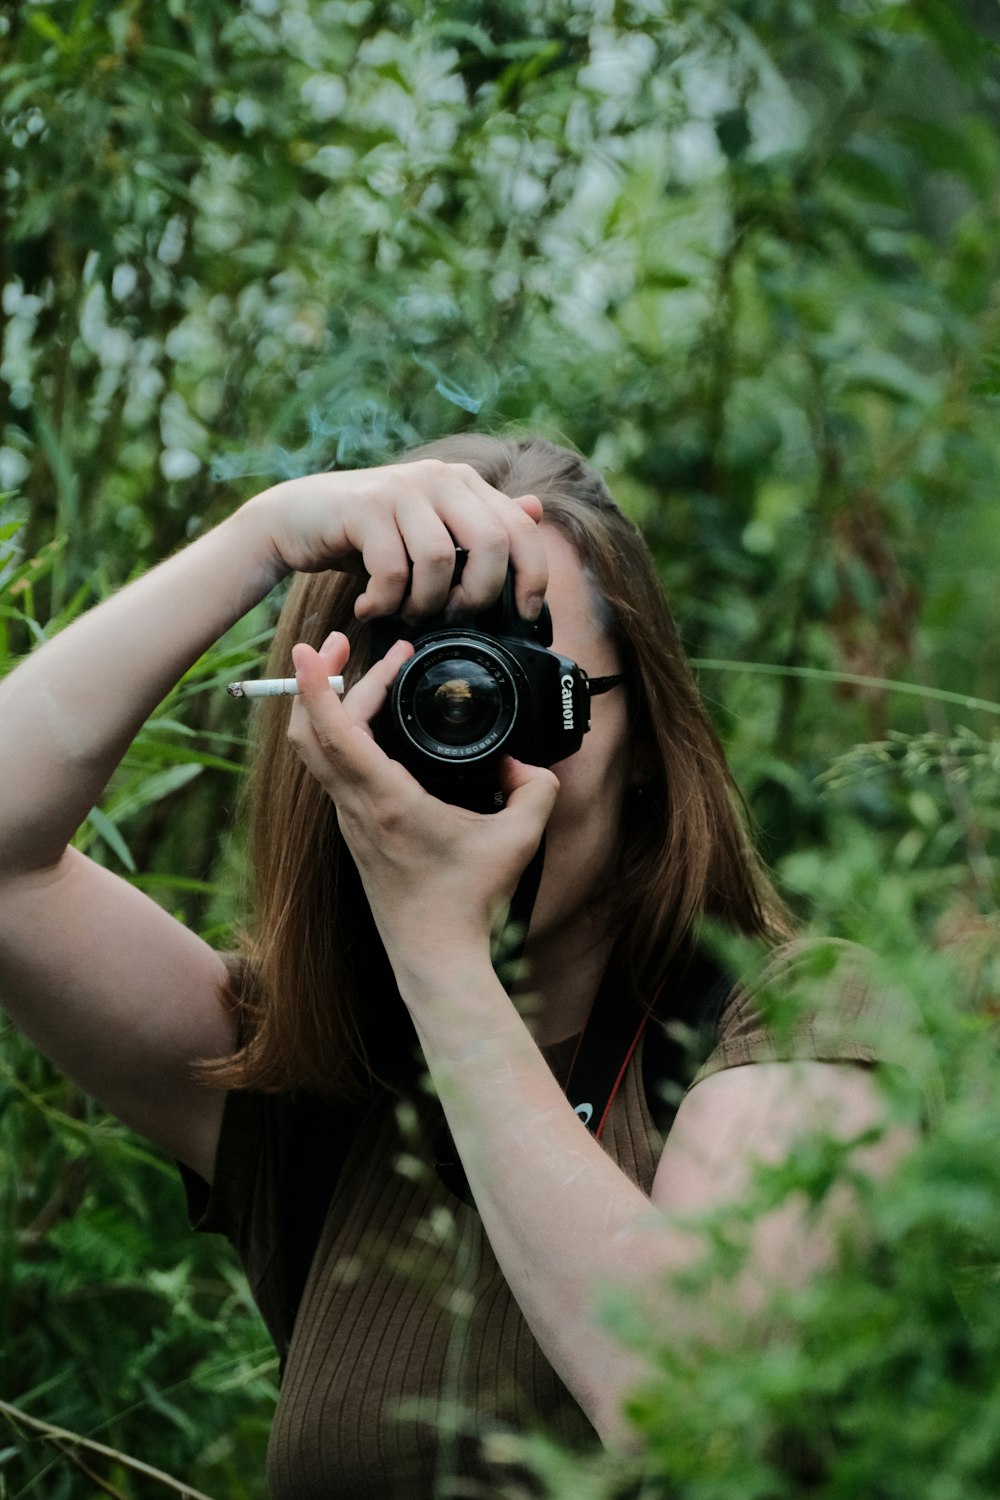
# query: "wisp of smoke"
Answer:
x=353 y=430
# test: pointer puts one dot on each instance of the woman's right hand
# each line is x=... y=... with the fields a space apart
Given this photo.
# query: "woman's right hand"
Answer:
x=403 y=522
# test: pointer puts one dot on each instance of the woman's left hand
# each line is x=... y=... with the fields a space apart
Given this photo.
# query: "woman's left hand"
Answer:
x=437 y=877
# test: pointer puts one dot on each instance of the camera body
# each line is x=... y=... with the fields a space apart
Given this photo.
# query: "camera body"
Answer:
x=475 y=690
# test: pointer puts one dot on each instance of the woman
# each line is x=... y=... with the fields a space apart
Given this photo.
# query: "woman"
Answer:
x=407 y=1270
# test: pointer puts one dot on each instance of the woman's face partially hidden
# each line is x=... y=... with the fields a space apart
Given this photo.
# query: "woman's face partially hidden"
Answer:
x=583 y=831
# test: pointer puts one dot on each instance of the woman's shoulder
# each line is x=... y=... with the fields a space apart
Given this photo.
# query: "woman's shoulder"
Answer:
x=813 y=999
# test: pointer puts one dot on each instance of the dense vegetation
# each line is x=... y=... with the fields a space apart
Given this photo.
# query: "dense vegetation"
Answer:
x=742 y=254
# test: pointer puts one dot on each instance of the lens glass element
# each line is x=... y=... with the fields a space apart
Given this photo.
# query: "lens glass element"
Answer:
x=457 y=702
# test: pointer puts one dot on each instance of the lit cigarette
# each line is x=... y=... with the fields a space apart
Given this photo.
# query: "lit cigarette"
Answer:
x=275 y=687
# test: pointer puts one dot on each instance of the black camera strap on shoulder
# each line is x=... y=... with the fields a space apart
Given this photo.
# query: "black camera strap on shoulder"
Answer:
x=679 y=1029
x=604 y=1051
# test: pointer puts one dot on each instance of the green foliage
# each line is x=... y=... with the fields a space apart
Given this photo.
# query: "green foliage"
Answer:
x=742 y=254
x=114 y=1322
x=881 y=1378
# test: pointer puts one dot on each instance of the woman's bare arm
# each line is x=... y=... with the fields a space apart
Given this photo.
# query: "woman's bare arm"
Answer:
x=120 y=995
x=113 y=989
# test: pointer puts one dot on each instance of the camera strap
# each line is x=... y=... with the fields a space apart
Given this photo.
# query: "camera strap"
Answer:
x=522 y=904
x=679 y=1027
x=603 y=1053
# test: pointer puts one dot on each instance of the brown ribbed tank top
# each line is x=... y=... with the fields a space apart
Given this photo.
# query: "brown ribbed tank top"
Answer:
x=409 y=1349
x=405 y=1351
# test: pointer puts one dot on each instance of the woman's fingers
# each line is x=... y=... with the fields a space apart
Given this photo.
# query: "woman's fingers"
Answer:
x=385 y=557
x=338 y=751
x=528 y=787
x=529 y=560
x=531 y=505
x=408 y=538
x=530 y=793
x=365 y=699
x=496 y=530
x=367 y=695
x=431 y=549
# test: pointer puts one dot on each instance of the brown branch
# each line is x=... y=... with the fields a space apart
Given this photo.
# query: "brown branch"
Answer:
x=102 y=1484
x=61 y=1436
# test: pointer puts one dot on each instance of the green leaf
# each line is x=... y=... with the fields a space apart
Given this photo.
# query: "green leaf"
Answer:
x=888 y=375
x=965 y=151
x=45 y=26
x=148 y=750
x=105 y=828
x=154 y=789
x=174 y=883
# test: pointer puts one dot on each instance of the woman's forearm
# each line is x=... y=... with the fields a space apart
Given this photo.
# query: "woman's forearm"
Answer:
x=70 y=710
x=564 y=1221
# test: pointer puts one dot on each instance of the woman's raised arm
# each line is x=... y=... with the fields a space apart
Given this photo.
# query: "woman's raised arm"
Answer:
x=121 y=996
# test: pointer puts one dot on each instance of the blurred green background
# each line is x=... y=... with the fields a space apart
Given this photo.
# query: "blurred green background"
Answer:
x=744 y=256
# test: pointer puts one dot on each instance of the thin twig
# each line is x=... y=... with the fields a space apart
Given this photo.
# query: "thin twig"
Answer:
x=62 y=1435
x=67 y=1451
x=853 y=679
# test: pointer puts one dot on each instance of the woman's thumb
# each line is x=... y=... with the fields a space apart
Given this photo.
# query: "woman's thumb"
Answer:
x=531 y=790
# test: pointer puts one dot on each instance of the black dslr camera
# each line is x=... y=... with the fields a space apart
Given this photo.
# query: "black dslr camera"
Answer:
x=475 y=690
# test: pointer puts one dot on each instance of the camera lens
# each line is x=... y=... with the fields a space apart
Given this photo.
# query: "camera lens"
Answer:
x=457 y=702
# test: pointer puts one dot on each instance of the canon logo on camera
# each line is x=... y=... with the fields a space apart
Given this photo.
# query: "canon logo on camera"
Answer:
x=567 y=700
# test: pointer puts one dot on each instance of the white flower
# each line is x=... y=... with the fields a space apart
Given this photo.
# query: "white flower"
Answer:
x=171 y=246
x=14 y=468
x=324 y=95
x=124 y=279
x=179 y=463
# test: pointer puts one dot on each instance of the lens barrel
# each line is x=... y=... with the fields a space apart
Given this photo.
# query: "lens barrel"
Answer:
x=457 y=700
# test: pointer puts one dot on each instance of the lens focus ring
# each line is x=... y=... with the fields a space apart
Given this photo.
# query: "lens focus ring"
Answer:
x=457 y=700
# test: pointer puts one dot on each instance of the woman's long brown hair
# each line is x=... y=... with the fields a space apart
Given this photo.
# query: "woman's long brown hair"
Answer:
x=312 y=982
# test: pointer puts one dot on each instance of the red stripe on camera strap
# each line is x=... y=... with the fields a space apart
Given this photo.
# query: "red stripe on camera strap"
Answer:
x=604 y=1051
x=613 y=1030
